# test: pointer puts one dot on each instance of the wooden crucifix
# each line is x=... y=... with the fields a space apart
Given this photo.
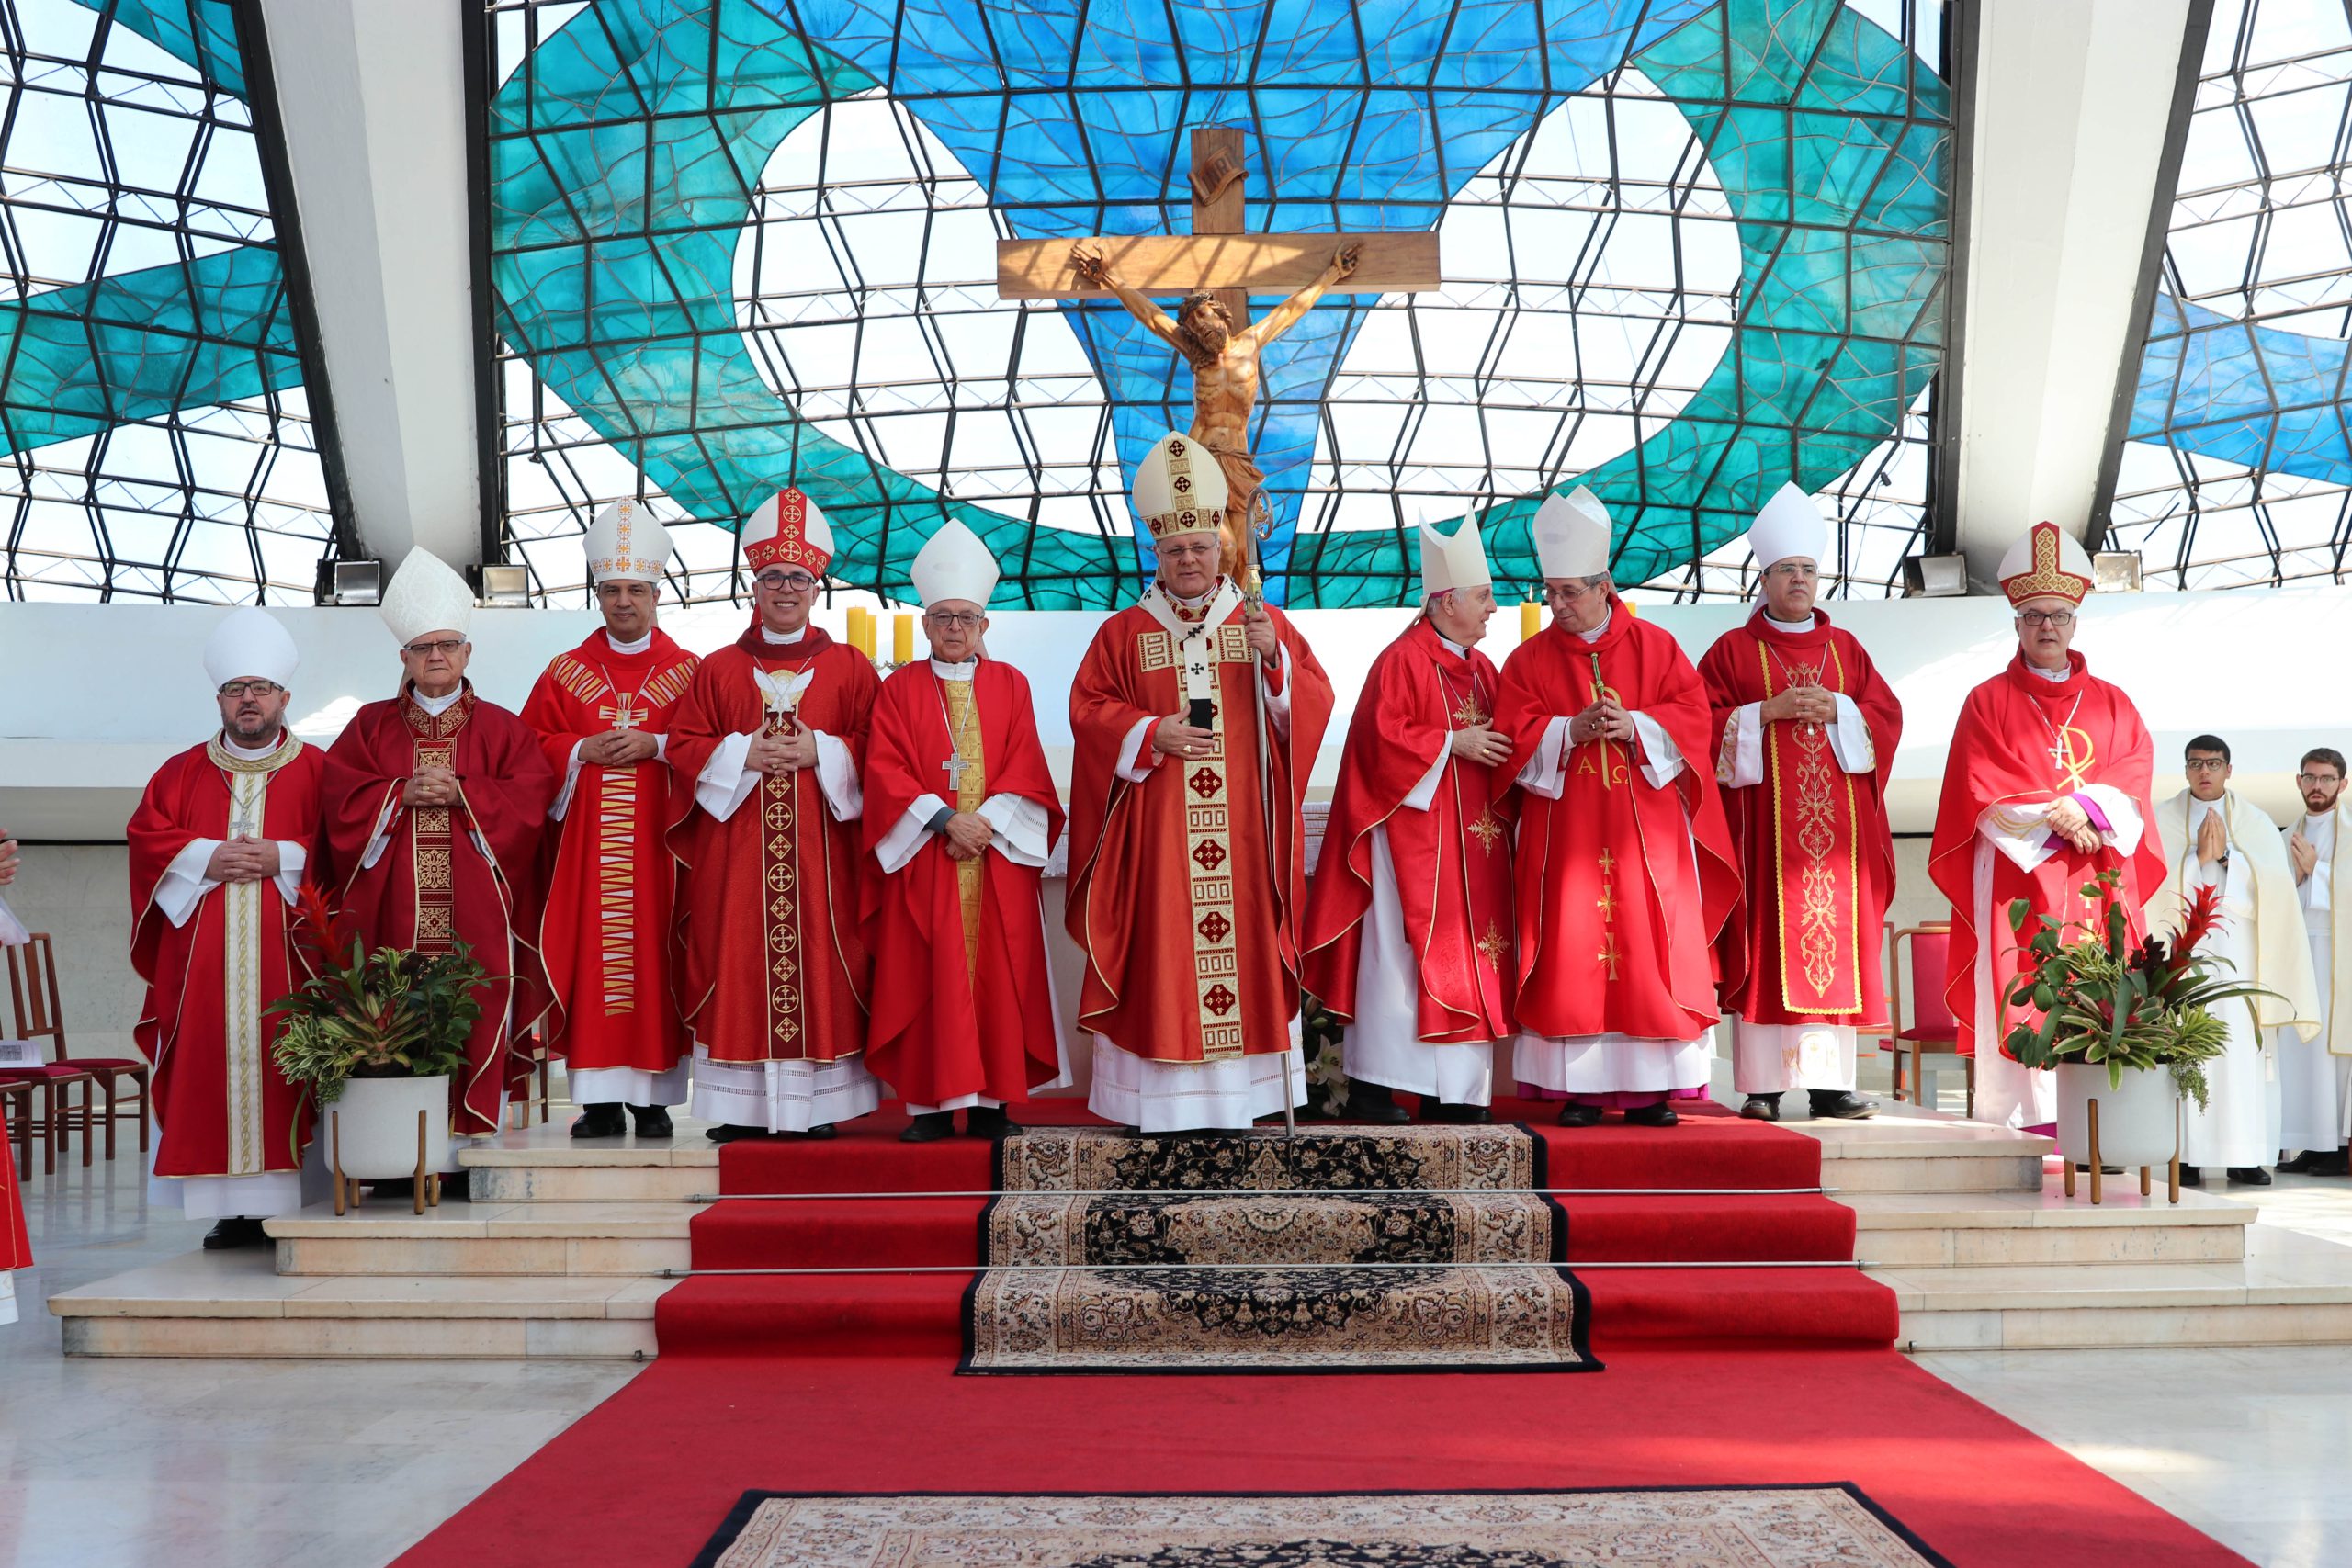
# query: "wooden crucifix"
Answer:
x=1215 y=270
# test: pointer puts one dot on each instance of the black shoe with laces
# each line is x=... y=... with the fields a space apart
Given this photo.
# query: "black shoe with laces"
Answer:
x=603 y=1120
x=1658 y=1115
x=1375 y=1103
x=1576 y=1113
x=652 y=1121
x=929 y=1127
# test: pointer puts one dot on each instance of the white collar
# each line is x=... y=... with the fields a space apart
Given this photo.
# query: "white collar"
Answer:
x=640 y=646
x=1594 y=635
x=2196 y=815
x=1790 y=626
x=781 y=637
x=2327 y=817
x=947 y=672
x=2052 y=675
x=252 y=753
x=1462 y=648
x=1197 y=601
x=437 y=706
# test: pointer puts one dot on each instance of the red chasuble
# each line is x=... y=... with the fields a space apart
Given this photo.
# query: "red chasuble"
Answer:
x=1812 y=837
x=1616 y=919
x=776 y=968
x=467 y=873
x=606 y=931
x=16 y=1247
x=1453 y=861
x=962 y=1000
x=222 y=1106
x=1186 y=889
x=2022 y=740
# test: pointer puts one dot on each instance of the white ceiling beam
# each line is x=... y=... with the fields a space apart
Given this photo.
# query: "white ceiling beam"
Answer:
x=2072 y=102
x=372 y=94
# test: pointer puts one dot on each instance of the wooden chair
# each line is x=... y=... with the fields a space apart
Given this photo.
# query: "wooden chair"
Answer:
x=32 y=991
x=56 y=1117
x=1933 y=1029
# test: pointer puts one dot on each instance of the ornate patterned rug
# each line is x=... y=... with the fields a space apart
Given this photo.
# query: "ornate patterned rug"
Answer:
x=1762 y=1527
x=1344 y=1249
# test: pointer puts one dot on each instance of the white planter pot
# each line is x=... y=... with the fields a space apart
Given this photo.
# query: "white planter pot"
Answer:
x=372 y=1129
x=2138 y=1121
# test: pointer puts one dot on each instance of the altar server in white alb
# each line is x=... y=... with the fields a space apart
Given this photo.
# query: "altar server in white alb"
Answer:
x=2315 y=1075
x=2214 y=838
x=218 y=849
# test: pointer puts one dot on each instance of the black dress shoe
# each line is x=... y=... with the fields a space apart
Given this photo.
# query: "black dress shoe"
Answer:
x=1841 y=1104
x=929 y=1127
x=732 y=1132
x=1576 y=1113
x=1761 y=1107
x=2248 y=1176
x=234 y=1232
x=1658 y=1115
x=2319 y=1162
x=652 y=1121
x=2191 y=1175
x=1375 y=1103
x=605 y=1120
x=1435 y=1109
x=818 y=1133
x=988 y=1122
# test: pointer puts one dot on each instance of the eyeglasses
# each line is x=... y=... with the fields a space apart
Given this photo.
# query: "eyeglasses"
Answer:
x=238 y=691
x=2045 y=618
x=2204 y=764
x=445 y=646
x=962 y=620
x=2312 y=781
x=1567 y=595
x=786 y=581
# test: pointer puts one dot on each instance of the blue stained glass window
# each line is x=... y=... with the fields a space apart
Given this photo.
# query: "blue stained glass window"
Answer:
x=158 y=441
x=1693 y=249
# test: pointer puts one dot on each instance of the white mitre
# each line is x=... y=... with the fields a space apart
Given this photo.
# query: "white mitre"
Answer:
x=954 y=564
x=251 y=644
x=425 y=595
x=626 y=545
x=2047 y=563
x=1179 y=489
x=1457 y=562
x=1572 y=534
x=1791 y=527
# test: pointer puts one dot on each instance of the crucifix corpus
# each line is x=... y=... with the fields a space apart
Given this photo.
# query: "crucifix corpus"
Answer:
x=1214 y=271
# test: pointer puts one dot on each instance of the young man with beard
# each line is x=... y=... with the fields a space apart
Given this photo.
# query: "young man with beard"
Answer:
x=2315 y=1075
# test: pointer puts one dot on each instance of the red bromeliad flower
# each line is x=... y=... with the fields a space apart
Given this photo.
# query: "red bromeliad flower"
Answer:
x=2204 y=913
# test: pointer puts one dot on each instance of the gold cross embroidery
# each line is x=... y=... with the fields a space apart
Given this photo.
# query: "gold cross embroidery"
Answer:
x=1609 y=953
x=1466 y=712
x=1608 y=864
x=625 y=715
x=1487 y=829
x=1606 y=904
x=1492 y=947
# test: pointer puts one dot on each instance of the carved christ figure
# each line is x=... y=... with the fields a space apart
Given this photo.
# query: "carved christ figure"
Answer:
x=1225 y=370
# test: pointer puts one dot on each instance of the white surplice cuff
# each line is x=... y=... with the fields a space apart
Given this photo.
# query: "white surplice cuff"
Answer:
x=1021 y=826
x=1850 y=737
x=908 y=833
x=1661 y=758
x=1424 y=793
x=837 y=776
x=570 y=782
x=2017 y=831
x=2125 y=827
x=1747 y=749
x=725 y=782
x=1132 y=767
x=184 y=884
x=383 y=834
x=291 y=861
x=1545 y=774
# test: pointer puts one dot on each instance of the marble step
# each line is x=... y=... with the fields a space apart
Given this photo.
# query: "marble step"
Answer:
x=1905 y=1150
x=233 y=1304
x=386 y=1239
x=1979 y=1230
x=543 y=1164
x=2287 y=1288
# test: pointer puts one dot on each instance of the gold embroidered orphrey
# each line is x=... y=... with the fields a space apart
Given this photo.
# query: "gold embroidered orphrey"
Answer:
x=240 y=950
x=1208 y=837
x=433 y=739
x=1807 y=793
x=970 y=775
x=780 y=879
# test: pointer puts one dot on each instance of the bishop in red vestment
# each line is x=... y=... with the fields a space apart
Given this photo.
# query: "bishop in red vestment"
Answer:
x=2045 y=787
x=1625 y=870
x=607 y=931
x=1409 y=921
x=1806 y=731
x=961 y=815
x=766 y=745
x=1196 y=718
x=218 y=848
x=435 y=804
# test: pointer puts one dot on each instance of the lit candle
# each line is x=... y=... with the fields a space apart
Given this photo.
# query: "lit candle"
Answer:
x=857 y=631
x=902 y=646
x=1531 y=619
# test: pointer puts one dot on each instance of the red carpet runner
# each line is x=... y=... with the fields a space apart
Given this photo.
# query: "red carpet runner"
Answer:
x=1720 y=1377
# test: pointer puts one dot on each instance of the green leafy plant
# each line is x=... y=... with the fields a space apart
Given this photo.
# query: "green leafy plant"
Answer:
x=389 y=1013
x=2103 y=1000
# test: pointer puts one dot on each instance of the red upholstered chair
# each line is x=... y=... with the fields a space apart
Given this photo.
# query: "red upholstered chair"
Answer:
x=47 y=1083
x=32 y=992
x=1932 y=1028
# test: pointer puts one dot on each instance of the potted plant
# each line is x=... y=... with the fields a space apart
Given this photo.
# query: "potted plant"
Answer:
x=2128 y=1029
x=374 y=1038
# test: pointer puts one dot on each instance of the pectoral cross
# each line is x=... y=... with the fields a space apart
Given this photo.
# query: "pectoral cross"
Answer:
x=954 y=768
x=625 y=715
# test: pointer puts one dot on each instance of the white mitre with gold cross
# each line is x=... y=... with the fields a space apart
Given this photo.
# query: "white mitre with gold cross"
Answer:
x=954 y=564
x=626 y=545
x=427 y=595
x=1572 y=534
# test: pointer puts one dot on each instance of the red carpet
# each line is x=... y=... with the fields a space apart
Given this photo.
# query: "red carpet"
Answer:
x=923 y=1315
x=650 y=1474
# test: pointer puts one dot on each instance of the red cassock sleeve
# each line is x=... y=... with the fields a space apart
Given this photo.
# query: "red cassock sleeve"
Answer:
x=1100 y=717
x=157 y=832
x=717 y=705
x=358 y=784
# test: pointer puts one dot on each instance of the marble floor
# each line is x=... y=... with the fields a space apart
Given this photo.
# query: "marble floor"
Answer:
x=249 y=1465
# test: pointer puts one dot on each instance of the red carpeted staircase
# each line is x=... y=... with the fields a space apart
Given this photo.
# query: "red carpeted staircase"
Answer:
x=923 y=1315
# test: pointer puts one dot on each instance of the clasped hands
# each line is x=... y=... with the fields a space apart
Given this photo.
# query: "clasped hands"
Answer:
x=618 y=748
x=430 y=787
x=1604 y=720
x=2213 y=838
x=775 y=754
x=2301 y=853
x=968 y=835
x=1803 y=705
x=1480 y=743
x=2067 y=818
x=243 y=858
